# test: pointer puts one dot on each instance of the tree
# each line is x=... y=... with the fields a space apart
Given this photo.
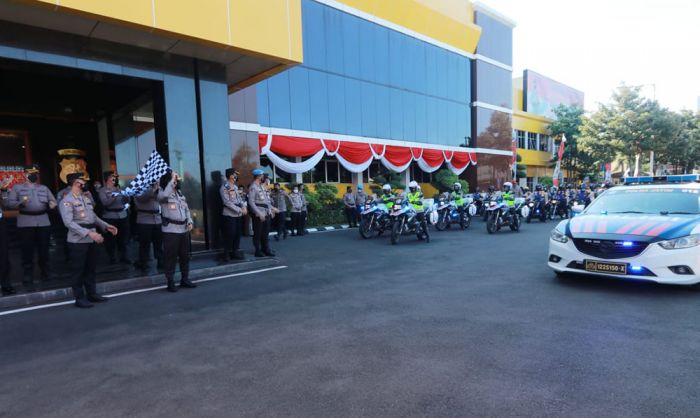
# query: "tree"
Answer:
x=682 y=150
x=390 y=177
x=444 y=179
x=520 y=169
x=568 y=122
x=629 y=127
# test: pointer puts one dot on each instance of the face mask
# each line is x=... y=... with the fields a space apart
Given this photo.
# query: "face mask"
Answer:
x=178 y=184
x=32 y=178
x=83 y=187
x=296 y=190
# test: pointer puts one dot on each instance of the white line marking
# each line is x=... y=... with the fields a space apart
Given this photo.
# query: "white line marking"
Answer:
x=131 y=292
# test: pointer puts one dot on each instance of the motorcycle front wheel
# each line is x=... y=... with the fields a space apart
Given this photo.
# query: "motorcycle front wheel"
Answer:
x=366 y=230
x=515 y=223
x=442 y=222
x=396 y=231
x=491 y=223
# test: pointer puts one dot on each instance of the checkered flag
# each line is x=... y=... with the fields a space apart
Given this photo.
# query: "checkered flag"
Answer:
x=151 y=172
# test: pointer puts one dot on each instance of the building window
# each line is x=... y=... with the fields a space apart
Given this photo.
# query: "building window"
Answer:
x=544 y=143
x=530 y=183
x=345 y=175
x=332 y=175
x=531 y=140
x=521 y=139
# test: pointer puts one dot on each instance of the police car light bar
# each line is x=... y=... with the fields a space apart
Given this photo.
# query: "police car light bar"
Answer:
x=679 y=178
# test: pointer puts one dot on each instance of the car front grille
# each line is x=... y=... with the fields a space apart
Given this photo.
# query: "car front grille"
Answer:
x=609 y=249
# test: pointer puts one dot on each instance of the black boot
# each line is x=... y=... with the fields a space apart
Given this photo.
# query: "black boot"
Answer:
x=97 y=298
x=8 y=290
x=171 y=286
x=83 y=303
x=186 y=283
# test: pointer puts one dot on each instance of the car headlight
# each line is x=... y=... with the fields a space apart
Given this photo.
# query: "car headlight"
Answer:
x=682 y=242
x=559 y=236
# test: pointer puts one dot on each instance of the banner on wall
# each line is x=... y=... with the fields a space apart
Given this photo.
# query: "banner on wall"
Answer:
x=356 y=157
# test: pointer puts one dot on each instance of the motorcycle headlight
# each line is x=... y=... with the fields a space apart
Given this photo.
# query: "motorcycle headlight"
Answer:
x=682 y=242
x=559 y=236
x=531 y=204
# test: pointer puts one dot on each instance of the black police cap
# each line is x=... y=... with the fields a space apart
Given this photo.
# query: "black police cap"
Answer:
x=72 y=177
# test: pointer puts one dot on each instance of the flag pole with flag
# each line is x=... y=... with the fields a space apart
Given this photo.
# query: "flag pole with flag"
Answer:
x=151 y=172
x=557 y=168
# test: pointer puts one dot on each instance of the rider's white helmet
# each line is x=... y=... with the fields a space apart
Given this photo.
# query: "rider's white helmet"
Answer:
x=386 y=187
x=413 y=185
x=507 y=184
x=457 y=186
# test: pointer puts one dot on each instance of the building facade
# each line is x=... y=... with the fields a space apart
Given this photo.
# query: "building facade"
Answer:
x=534 y=98
x=411 y=90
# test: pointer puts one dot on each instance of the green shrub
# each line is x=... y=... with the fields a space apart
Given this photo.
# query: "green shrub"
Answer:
x=444 y=179
x=546 y=182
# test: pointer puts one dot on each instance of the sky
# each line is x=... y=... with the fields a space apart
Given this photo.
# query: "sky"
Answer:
x=595 y=45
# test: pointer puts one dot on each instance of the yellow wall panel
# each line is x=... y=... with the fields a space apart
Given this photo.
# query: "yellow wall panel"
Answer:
x=271 y=27
x=203 y=19
x=139 y=12
x=530 y=123
x=448 y=21
x=533 y=157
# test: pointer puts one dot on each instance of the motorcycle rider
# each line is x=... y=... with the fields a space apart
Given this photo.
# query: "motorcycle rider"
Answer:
x=508 y=196
x=583 y=197
x=387 y=197
x=457 y=196
x=415 y=198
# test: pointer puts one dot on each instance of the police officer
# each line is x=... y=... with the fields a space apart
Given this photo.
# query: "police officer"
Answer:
x=115 y=212
x=7 y=288
x=350 y=210
x=279 y=201
x=415 y=198
x=33 y=226
x=295 y=200
x=79 y=217
x=148 y=225
x=233 y=211
x=304 y=209
x=177 y=224
x=360 y=199
x=261 y=210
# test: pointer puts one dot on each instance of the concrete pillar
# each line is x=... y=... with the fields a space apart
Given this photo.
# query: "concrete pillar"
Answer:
x=298 y=176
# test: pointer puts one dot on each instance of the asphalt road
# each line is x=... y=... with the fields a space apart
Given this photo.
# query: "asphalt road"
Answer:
x=468 y=325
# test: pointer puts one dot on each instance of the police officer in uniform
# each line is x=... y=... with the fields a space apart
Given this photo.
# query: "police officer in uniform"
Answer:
x=233 y=211
x=177 y=224
x=33 y=226
x=148 y=224
x=261 y=210
x=7 y=288
x=79 y=216
x=115 y=212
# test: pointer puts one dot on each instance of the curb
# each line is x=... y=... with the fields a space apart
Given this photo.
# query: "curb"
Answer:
x=320 y=229
x=63 y=294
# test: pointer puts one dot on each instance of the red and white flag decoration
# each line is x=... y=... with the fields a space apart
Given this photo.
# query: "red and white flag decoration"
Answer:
x=557 y=170
x=356 y=157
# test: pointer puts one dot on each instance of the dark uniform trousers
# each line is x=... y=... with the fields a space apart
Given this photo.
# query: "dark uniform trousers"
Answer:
x=35 y=237
x=280 y=223
x=150 y=234
x=83 y=261
x=304 y=216
x=4 y=257
x=296 y=223
x=350 y=215
x=120 y=240
x=176 y=246
x=261 y=232
x=233 y=227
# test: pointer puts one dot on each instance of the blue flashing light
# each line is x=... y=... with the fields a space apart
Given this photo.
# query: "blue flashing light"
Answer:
x=627 y=244
x=677 y=178
x=636 y=269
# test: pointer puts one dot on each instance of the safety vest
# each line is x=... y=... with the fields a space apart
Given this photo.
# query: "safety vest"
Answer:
x=509 y=198
x=416 y=200
x=458 y=198
x=388 y=200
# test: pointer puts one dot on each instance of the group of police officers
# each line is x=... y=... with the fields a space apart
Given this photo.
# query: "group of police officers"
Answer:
x=163 y=220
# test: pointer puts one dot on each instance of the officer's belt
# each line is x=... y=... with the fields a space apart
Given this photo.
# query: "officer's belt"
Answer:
x=148 y=211
x=261 y=205
x=170 y=221
x=33 y=212
x=88 y=226
x=114 y=210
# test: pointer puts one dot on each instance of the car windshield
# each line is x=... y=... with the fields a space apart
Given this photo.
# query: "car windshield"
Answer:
x=647 y=200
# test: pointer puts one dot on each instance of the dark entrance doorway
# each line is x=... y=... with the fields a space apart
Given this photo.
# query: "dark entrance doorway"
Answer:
x=63 y=118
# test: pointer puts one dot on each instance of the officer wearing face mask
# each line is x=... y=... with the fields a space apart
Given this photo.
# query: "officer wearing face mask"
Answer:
x=79 y=217
x=115 y=213
x=33 y=200
x=233 y=211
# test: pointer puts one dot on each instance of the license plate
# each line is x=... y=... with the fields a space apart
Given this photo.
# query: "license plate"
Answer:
x=601 y=267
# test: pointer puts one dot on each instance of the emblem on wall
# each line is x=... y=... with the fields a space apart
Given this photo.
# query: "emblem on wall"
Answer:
x=72 y=161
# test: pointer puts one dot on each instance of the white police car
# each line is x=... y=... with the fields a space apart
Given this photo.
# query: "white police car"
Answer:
x=648 y=229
